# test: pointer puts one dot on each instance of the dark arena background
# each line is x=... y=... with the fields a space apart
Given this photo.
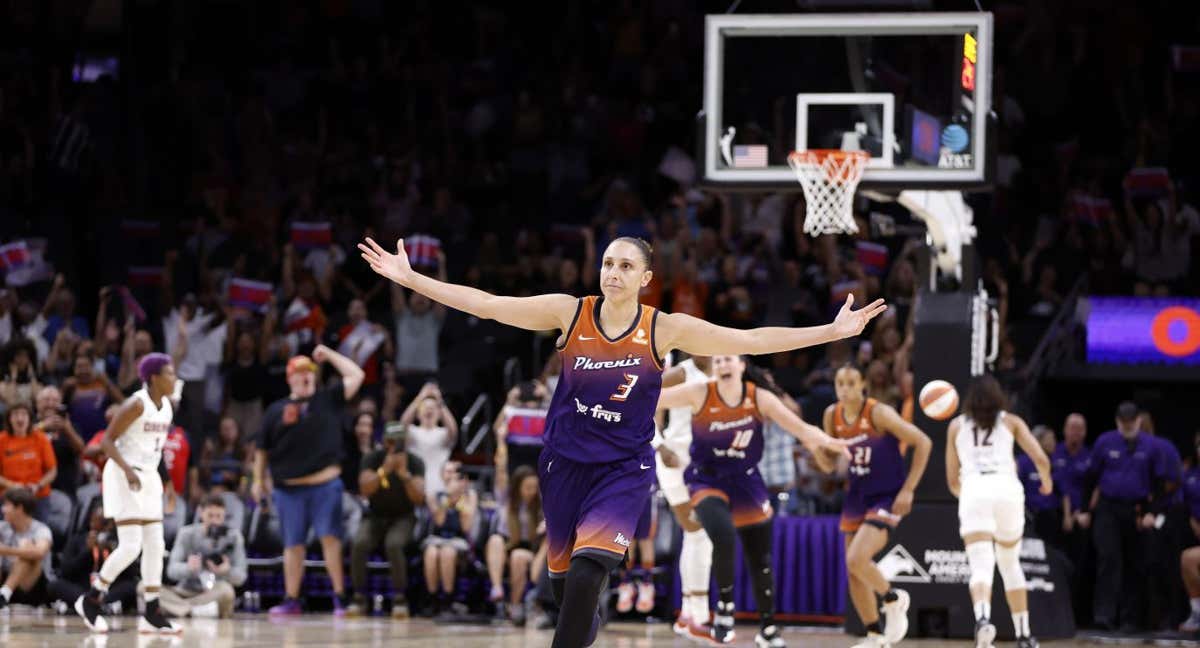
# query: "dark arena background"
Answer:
x=193 y=177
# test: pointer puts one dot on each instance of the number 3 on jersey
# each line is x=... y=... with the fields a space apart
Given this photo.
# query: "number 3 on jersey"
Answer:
x=624 y=388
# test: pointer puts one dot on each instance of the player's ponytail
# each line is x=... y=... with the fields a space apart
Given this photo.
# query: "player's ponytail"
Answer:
x=761 y=378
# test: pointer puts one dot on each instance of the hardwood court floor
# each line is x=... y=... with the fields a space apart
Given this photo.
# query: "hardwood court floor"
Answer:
x=23 y=629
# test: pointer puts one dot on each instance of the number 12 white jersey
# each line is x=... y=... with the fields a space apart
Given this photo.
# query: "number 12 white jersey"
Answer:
x=142 y=443
x=985 y=452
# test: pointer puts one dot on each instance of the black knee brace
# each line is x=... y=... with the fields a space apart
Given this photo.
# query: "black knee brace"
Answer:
x=756 y=544
x=717 y=520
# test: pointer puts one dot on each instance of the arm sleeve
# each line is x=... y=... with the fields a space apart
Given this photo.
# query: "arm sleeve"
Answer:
x=237 y=561
x=177 y=569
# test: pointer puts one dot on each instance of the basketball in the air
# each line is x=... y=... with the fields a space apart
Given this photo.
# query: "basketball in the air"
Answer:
x=939 y=400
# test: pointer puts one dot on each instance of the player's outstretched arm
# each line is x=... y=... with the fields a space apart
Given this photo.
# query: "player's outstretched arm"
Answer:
x=686 y=395
x=698 y=337
x=810 y=435
x=537 y=313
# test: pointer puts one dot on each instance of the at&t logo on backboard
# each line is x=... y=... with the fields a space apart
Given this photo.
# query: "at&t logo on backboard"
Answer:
x=955 y=140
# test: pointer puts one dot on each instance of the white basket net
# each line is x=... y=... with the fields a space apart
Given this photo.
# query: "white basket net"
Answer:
x=829 y=177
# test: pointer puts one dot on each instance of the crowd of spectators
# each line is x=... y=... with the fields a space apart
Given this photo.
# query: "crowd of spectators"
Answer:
x=220 y=227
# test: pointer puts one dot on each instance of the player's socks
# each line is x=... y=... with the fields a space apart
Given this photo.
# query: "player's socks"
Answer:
x=5 y=595
x=983 y=610
x=875 y=627
x=891 y=596
x=1021 y=623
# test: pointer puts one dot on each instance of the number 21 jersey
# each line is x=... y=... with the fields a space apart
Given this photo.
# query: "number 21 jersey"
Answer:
x=603 y=407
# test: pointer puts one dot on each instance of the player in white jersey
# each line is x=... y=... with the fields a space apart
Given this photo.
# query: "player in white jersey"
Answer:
x=982 y=473
x=133 y=494
x=695 y=555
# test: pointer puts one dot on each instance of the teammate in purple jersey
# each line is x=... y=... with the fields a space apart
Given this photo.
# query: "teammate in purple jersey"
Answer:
x=595 y=470
x=728 y=494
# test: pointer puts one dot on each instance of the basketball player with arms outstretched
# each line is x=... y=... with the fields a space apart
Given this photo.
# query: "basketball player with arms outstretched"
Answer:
x=982 y=473
x=878 y=495
x=672 y=458
x=596 y=468
x=727 y=492
x=133 y=494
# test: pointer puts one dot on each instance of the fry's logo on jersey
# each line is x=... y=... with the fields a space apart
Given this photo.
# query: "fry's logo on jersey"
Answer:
x=587 y=364
x=721 y=426
x=156 y=427
x=597 y=412
x=730 y=453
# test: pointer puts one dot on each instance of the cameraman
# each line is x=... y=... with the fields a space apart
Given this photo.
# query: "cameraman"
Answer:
x=394 y=483
x=206 y=563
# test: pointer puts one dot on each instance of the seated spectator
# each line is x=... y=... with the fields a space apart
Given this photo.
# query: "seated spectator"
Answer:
x=1046 y=509
x=25 y=551
x=453 y=515
x=432 y=436
x=208 y=560
x=83 y=556
x=67 y=444
x=26 y=457
x=518 y=539
x=222 y=466
x=393 y=481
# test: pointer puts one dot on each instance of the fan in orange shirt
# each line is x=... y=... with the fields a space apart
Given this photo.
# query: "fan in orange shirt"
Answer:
x=26 y=457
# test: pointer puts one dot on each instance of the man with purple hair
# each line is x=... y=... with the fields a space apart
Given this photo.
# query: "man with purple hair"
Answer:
x=133 y=494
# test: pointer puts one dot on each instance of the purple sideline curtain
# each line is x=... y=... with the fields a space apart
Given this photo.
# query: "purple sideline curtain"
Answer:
x=810 y=569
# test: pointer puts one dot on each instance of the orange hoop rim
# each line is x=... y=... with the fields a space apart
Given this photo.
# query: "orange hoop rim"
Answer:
x=847 y=165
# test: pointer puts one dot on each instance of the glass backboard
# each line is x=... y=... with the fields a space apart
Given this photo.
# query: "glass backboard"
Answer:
x=912 y=89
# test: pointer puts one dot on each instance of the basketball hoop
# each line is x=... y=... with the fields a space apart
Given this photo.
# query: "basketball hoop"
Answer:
x=829 y=177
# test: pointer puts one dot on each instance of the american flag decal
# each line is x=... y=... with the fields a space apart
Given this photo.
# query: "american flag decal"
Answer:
x=753 y=156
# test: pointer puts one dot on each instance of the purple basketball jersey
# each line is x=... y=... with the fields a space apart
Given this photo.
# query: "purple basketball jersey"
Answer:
x=727 y=438
x=603 y=407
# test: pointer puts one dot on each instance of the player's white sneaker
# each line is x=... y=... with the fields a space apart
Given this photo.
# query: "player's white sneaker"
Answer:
x=985 y=633
x=645 y=598
x=153 y=621
x=873 y=641
x=769 y=637
x=625 y=594
x=896 y=617
x=681 y=624
x=89 y=610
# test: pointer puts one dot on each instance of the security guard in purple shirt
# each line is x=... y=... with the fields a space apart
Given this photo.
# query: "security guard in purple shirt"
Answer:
x=1046 y=509
x=1164 y=603
x=1070 y=463
x=1128 y=472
